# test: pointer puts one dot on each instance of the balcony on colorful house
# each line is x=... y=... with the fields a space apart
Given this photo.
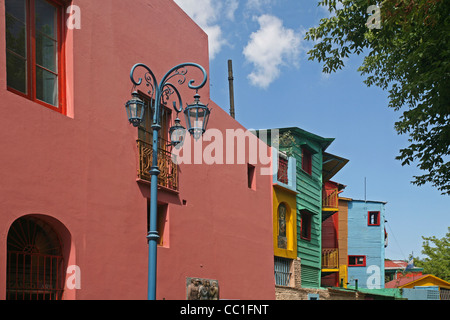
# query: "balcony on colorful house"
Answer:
x=282 y=174
x=285 y=170
x=168 y=178
x=330 y=198
x=330 y=259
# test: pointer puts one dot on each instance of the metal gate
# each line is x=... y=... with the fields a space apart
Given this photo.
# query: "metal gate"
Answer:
x=35 y=263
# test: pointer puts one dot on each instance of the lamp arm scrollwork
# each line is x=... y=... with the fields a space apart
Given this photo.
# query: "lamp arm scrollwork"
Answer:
x=147 y=79
x=166 y=88
x=180 y=101
x=176 y=72
x=181 y=70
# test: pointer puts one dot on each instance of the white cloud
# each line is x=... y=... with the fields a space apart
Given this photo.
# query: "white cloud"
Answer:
x=258 y=4
x=270 y=48
x=230 y=8
x=206 y=13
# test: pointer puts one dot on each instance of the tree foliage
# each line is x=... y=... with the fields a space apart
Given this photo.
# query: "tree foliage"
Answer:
x=409 y=56
x=437 y=261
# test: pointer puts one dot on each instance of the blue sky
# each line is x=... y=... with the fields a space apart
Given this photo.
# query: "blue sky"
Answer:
x=277 y=86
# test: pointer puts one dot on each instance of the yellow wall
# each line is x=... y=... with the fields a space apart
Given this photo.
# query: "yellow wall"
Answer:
x=282 y=195
x=343 y=274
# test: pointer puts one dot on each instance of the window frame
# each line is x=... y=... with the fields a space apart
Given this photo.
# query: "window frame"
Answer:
x=281 y=236
x=307 y=160
x=356 y=259
x=377 y=222
x=251 y=176
x=305 y=224
x=283 y=168
x=161 y=223
x=31 y=64
x=145 y=130
x=283 y=271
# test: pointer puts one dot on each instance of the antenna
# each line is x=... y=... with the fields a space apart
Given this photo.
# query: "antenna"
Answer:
x=365 y=189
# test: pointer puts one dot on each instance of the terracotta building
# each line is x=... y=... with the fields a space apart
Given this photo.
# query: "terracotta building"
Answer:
x=73 y=187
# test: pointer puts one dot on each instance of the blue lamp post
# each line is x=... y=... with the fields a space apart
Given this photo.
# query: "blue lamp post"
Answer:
x=197 y=116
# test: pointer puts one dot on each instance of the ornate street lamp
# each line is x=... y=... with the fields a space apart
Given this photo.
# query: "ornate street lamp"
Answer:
x=197 y=115
x=135 y=109
x=177 y=133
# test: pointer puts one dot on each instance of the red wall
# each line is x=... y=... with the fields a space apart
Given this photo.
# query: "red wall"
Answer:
x=330 y=232
x=79 y=169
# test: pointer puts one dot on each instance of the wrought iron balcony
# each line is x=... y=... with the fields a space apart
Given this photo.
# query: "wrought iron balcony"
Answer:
x=330 y=258
x=168 y=178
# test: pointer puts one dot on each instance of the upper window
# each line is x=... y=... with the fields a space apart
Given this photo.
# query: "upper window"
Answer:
x=356 y=261
x=282 y=174
x=34 y=51
x=373 y=218
x=168 y=177
x=282 y=222
x=307 y=161
x=305 y=225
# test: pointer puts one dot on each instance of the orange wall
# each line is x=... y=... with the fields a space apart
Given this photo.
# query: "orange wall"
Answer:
x=343 y=232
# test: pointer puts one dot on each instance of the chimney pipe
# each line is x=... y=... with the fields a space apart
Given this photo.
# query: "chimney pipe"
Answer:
x=230 y=79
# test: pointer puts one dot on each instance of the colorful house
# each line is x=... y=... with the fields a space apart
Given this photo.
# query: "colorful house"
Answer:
x=422 y=287
x=284 y=217
x=366 y=244
x=74 y=188
x=333 y=269
x=312 y=165
x=396 y=269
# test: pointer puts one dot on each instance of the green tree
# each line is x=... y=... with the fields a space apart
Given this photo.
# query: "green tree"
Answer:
x=409 y=56
x=437 y=260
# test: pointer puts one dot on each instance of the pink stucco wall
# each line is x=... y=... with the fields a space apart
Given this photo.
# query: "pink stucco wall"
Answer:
x=78 y=171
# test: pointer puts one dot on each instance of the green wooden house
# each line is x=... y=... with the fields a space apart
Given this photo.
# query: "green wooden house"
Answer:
x=308 y=149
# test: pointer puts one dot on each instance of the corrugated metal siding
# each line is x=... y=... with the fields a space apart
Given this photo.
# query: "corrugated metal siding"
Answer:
x=423 y=294
x=310 y=276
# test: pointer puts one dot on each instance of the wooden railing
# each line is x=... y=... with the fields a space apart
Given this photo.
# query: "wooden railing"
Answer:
x=168 y=178
x=329 y=199
x=330 y=258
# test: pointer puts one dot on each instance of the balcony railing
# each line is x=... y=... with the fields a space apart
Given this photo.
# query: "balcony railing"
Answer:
x=330 y=199
x=330 y=258
x=168 y=178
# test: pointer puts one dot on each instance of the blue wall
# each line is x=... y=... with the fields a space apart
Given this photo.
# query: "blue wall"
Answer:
x=368 y=241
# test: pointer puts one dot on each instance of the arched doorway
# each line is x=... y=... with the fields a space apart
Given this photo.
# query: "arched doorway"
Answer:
x=35 y=264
